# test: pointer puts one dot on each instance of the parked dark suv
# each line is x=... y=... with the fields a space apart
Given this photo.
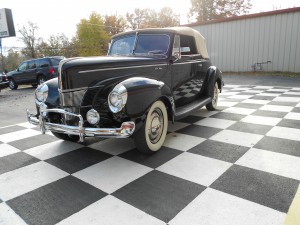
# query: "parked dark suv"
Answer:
x=34 y=71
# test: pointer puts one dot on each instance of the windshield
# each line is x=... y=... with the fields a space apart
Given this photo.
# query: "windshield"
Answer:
x=146 y=44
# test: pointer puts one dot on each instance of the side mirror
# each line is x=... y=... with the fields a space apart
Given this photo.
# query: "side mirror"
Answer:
x=176 y=56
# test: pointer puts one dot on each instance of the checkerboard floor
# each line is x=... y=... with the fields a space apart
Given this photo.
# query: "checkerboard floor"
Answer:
x=238 y=165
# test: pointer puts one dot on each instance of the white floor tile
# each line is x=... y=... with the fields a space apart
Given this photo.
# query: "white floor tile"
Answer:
x=27 y=125
x=284 y=132
x=232 y=86
x=14 y=136
x=292 y=116
x=52 y=149
x=240 y=96
x=28 y=178
x=263 y=87
x=262 y=120
x=253 y=91
x=295 y=89
x=269 y=94
x=298 y=105
x=7 y=150
x=172 y=127
x=276 y=108
x=278 y=90
x=228 y=93
x=182 y=142
x=111 y=211
x=217 y=123
x=291 y=93
x=272 y=162
x=226 y=104
x=214 y=207
x=8 y=216
x=256 y=101
x=237 y=110
x=112 y=174
x=287 y=99
x=237 y=138
x=195 y=168
x=114 y=146
x=240 y=89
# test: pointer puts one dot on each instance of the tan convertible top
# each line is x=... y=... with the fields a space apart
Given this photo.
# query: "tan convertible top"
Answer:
x=199 y=39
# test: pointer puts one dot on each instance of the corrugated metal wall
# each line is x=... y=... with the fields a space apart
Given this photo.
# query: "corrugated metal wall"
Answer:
x=236 y=45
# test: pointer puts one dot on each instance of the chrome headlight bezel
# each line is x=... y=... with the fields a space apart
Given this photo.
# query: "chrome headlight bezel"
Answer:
x=93 y=116
x=117 y=98
x=41 y=93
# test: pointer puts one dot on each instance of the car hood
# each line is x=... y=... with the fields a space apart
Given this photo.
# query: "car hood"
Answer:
x=81 y=73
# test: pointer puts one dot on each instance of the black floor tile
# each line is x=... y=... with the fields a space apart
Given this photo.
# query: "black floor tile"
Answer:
x=269 y=113
x=296 y=110
x=10 y=129
x=283 y=103
x=261 y=97
x=248 y=105
x=56 y=201
x=16 y=161
x=289 y=123
x=190 y=119
x=219 y=150
x=228 y=116
x=154 y=160
x=199 y=131
x=267 y=189
x=79 y=159
x=159 y=194
x=34 y=141
x=280 y=145
x=250 y=128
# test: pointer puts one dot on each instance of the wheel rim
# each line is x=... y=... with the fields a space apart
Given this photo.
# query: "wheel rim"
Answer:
x=11 y=84
x=41 y=80
x=216 y=96
x=156 y=127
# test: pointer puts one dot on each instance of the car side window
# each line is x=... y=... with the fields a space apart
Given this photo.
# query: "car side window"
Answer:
x=32 y=64
x=44 y=63
x=187 y=45
x=23 y=66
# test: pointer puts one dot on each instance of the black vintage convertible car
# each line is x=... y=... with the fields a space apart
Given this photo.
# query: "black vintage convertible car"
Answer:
x=148 y=77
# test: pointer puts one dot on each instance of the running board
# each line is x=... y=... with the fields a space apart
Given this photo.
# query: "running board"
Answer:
x=184 y=110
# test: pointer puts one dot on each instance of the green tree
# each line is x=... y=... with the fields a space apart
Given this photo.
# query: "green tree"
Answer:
x=204 y=10
x=91 y=37
x=144 y=18
x=114 y=24
x=13 y=59
x=30 y=39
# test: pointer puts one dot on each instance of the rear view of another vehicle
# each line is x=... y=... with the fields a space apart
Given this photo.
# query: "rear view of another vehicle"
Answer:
x=34 y=72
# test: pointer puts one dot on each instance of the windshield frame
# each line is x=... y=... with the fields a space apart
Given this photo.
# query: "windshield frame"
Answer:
x=137 y=35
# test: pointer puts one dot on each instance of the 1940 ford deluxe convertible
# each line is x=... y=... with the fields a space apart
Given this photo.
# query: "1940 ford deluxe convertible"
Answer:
x=149 y=76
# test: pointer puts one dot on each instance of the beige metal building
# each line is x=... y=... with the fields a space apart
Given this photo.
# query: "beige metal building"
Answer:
x=268 y=41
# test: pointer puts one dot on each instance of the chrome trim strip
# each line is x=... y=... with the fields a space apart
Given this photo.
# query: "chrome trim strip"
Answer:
x=120 y=68
x=126 y=129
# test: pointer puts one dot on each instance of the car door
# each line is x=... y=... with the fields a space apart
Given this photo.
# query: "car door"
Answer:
x=20 y=74
x=186 y=76
x=31 y=72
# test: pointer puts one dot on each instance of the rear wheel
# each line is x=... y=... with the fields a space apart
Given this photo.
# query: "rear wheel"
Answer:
x=152 y=135
x=12 y=84
x=67 y=137
x=214 y=102
x=41 y=79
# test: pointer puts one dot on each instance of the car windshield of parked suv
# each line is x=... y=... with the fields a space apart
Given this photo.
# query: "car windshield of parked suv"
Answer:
x=146 y=45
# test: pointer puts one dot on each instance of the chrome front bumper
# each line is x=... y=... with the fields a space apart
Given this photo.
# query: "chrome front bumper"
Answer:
x=126 y=129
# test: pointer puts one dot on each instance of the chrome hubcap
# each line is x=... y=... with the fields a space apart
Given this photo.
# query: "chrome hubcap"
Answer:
x=156 y=126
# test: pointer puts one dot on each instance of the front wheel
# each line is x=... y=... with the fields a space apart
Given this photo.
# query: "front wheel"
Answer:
x=12 y=84
x=153 y=133
x=214 y=102
x=73 y=138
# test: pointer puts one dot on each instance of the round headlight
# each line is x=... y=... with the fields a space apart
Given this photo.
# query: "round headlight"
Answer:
x=93 y=116
x=41 y=93
x=117 y=98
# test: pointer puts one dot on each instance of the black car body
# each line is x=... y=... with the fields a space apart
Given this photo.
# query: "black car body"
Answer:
x=3 y=81
x=34 y=71
x=149 y=76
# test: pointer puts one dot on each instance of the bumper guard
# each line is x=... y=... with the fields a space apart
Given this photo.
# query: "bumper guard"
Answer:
x=126 y=129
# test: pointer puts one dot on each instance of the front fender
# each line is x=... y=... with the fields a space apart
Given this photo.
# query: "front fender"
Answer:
x=212 y=75
x=53 y=95
x=142 y=92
